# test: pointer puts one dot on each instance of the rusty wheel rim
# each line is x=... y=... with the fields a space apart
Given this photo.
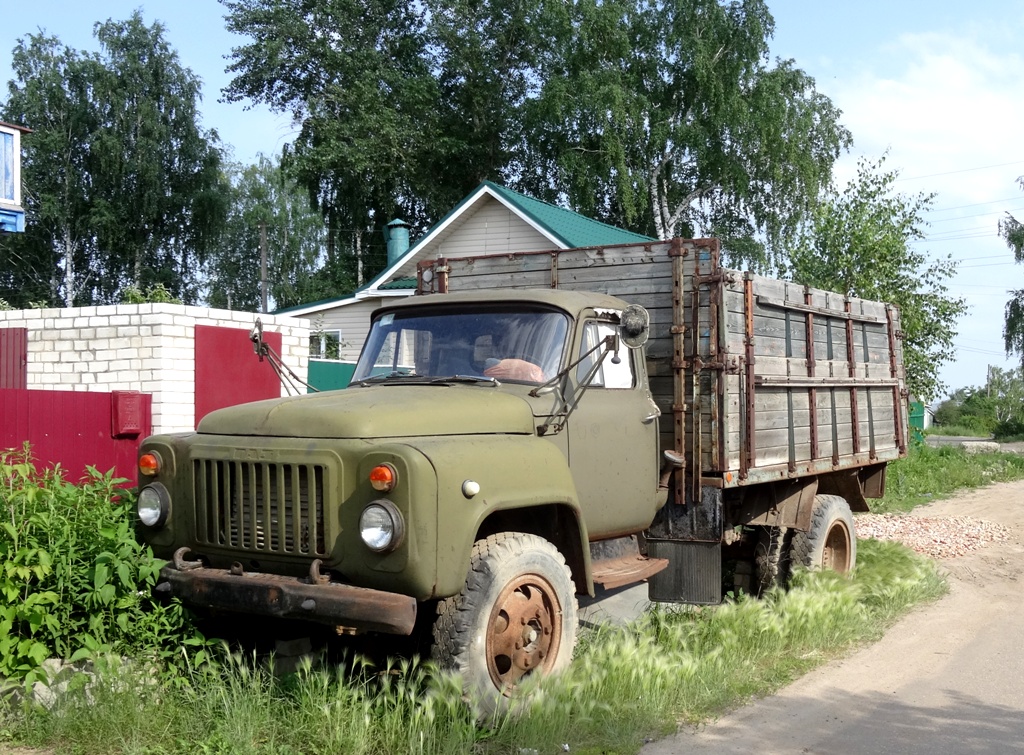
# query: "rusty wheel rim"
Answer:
x=836 y=555
x=523 y=632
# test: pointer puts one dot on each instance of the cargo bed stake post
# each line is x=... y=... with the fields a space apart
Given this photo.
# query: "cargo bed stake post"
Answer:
x=901 y=440
x=747 y=457
x=852 y=372
x=812 y=393
x=678 y=256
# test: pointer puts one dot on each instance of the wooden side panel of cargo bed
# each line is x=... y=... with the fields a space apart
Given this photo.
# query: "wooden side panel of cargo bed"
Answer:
x=822 y=384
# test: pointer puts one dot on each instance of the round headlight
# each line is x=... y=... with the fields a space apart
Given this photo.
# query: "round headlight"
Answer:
x=381 y=526
x=154 y=505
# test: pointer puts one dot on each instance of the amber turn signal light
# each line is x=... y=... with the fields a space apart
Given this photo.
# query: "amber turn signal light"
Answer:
x=149 y=464
x=383 y=478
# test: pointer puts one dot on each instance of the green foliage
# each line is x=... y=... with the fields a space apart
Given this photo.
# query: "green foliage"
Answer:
x=861 y=242
x=1012 y=231
x=122 y=185
x=74 y=582
x=928 y=474
x=968 y=407
x=4 y=306
x=996 y=408
x=155 y=294
x=625 y=684
x=300 y=265
x=667 y=118
x=662 y=118
x=356 y=75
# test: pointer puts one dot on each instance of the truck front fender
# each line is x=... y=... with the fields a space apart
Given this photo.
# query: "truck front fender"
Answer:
x=524 y=480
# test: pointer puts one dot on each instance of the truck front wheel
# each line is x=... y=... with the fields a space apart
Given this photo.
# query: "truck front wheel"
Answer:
x=515 y=616
x=831 y=542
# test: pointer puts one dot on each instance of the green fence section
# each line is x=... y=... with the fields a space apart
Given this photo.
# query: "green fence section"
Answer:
x=916 y=419
x=327 y=375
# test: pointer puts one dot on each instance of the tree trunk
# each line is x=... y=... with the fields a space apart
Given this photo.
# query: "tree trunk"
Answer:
x=68 y=252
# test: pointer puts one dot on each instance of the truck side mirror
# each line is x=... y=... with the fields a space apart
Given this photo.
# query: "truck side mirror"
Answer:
x=634 y=326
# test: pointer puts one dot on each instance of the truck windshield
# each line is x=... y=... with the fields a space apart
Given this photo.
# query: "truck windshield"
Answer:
x=509 y=344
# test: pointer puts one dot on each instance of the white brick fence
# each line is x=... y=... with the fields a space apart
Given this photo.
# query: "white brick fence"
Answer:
x=141 y=347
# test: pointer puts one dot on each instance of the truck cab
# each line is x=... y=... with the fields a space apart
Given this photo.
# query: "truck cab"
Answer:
x=485 y=441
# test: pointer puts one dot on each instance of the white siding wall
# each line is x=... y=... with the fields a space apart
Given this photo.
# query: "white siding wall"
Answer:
x=352 y=320
x=138 y=347
x=492 y=229
x=488 y=228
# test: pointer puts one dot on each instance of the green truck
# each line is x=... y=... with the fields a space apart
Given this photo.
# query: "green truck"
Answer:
x=534 y=427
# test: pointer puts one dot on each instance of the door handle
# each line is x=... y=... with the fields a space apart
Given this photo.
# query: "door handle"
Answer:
x=651 y=417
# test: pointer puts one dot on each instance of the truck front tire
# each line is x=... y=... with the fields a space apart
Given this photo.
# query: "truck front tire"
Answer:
x=516 y=615
x=831 y=542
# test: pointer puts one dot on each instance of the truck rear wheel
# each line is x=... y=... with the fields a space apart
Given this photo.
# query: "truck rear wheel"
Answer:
x=516 y=616
x=831 y=542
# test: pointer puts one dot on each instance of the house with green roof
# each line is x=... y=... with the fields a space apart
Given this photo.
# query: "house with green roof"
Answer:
x=492 y=219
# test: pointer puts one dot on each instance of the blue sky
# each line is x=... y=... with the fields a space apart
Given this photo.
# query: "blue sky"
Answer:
x=938 y=84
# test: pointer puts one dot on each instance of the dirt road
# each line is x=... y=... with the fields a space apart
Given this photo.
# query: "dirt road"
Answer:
x=949 y=678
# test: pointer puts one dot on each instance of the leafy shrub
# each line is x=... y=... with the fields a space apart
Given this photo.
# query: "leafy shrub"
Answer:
x=74 y=581
x=156 y=294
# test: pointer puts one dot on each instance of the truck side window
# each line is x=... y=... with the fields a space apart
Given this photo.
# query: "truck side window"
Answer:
x=608 y=375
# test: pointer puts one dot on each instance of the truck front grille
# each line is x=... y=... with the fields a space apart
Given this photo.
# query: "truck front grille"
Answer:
x=257 y=506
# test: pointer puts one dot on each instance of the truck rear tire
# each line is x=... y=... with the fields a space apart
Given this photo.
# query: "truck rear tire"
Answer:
x=831 y=542
x=516 y=615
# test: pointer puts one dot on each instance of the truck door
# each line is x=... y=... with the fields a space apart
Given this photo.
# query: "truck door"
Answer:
x=613 y=440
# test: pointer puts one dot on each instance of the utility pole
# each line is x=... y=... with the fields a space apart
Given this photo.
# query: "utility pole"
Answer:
x=263 y=267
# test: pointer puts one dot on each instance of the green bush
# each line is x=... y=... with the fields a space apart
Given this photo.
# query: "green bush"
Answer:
x=74 y=581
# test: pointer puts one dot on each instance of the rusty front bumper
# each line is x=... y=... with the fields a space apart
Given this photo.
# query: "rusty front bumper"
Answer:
x=352 y=607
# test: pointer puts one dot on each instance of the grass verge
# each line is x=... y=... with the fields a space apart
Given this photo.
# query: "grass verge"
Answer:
x=929 y=474
x=625 y=685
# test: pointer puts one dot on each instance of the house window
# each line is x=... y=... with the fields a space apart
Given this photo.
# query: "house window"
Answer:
x=325 y=344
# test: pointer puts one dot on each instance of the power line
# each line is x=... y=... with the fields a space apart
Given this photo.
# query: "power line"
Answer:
x=974 y=350
x=963 y=170
x=974 y=215
x=976 y=204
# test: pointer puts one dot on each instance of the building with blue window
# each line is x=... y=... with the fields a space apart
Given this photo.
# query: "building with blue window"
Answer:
x=12 y=215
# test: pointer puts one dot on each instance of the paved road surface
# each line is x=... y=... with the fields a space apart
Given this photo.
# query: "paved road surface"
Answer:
x=946 y=680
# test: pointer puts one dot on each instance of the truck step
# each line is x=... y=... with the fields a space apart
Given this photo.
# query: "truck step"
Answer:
x=616 y=572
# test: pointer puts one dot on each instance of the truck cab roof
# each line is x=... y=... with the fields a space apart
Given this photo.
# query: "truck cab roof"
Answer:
x=572 y=302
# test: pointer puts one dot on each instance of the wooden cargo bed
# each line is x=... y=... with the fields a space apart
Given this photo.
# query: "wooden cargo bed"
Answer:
x=757 y=379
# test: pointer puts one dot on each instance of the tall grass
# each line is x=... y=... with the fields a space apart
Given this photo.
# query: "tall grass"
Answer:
x=625 y=685
x=928 y=474
x=965 y=431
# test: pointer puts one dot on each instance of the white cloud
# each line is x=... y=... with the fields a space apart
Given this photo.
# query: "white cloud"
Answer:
x=949 y=108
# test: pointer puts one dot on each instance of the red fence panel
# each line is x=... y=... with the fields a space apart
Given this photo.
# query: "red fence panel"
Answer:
x=13 y=357
x=73 y=429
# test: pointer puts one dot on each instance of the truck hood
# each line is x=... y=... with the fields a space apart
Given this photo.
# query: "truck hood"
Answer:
x=378 y=412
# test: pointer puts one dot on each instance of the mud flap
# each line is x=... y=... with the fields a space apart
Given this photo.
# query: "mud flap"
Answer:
x=694 y=573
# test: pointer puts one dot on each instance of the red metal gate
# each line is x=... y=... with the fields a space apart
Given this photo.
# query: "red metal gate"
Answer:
x=13 y=357
x=77 y=429
x=228 y=371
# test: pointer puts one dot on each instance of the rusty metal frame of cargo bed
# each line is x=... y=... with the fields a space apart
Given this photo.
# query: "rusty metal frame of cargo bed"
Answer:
x=763 y=379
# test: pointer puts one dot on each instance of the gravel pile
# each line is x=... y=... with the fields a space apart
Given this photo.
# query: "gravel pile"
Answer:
x=938 y=537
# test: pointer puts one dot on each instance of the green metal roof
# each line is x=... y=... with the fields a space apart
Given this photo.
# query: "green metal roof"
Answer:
x=570 y=227
x=398 y=284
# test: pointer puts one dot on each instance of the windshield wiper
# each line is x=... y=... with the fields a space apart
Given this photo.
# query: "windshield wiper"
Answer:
x=395 y=375
x=467 y=379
